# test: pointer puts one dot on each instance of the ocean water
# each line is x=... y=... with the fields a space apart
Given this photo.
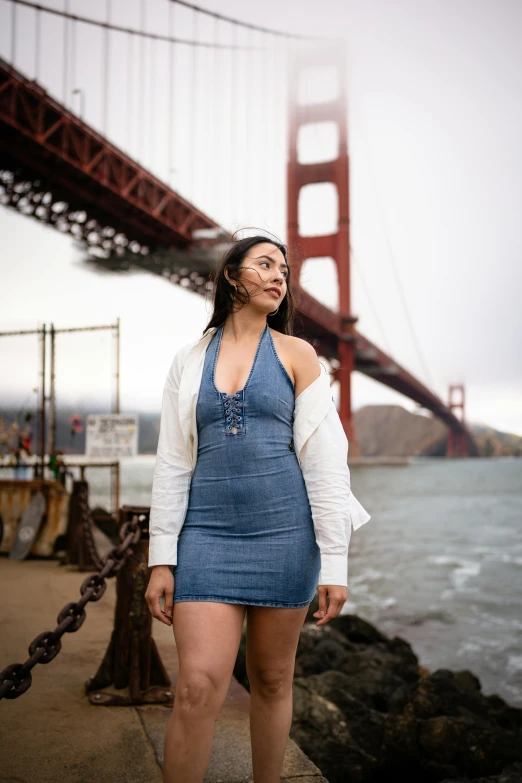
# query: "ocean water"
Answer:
x=439 y=563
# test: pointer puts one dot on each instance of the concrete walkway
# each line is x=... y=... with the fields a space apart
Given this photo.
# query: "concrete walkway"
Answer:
x=53 y=733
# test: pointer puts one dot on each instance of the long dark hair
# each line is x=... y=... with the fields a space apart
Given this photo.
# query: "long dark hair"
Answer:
x=224 y=292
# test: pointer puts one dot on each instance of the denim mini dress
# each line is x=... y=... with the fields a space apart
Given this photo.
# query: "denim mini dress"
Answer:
x=248 y=534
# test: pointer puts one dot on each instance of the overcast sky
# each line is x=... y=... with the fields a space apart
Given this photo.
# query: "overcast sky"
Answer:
x=435 y=122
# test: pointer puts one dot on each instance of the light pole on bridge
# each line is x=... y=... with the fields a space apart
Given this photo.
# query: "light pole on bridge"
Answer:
x=81 y=93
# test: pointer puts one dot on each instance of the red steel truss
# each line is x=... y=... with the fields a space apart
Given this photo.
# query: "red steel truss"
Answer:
x=44 y=142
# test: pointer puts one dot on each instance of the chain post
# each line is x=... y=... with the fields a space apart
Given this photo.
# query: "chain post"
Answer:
x=132 y=659
x=81 y=547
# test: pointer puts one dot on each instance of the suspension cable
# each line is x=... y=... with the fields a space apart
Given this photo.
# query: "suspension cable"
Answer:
x=65 y=75
x=109 y=26
x=37 y=33
x=141 y=100
x=239 y=23
x=129 y=92
x=396 y=274
x=374 y=310
x=13 y=34
x=171 y=103
x=106 y=70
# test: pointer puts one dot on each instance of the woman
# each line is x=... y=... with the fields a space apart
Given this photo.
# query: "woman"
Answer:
x=251 y=509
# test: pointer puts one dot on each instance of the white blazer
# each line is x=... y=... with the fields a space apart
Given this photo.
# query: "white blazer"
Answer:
x=320 y=444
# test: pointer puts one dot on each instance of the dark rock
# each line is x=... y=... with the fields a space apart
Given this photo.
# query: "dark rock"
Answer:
x=444 y=730
x=437 y=747
x=365 y=711
x=320 y=649
x=510 y=774
x=365 y=724
x=503 y=714
x=447 y=693
x=357 y=630
x=375 y=665
x=466 y=680
x=396 y=653
x=319 y=728
x=374 y=676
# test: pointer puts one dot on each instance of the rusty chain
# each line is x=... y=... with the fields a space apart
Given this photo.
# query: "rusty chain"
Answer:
x=16 y=678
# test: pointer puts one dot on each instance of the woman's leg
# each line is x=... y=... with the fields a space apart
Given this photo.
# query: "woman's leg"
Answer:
x=272 y=637
x=207 y=635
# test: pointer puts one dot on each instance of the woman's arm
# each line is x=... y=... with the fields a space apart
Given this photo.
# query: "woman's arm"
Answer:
x=172 y=475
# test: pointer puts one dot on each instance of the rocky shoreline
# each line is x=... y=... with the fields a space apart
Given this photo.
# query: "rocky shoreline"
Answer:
x=366 y=711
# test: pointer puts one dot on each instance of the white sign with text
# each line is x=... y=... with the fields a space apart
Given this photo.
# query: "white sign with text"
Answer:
x=111 y=435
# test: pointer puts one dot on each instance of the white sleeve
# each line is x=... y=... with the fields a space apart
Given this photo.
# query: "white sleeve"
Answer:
x=324 y=463
x=172 y=478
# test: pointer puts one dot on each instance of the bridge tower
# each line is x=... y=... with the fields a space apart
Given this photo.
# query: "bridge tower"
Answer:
x=457 y=440
x=337 y=245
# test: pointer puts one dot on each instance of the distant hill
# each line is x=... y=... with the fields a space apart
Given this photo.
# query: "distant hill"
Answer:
x=392 y=431
x=493 y=443
x=382 y=431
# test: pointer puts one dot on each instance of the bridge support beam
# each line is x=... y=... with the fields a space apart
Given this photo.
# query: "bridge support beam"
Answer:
x=457 y=439
x=337 y=245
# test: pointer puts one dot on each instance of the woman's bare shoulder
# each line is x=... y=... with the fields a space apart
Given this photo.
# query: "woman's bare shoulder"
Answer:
x=300 y=356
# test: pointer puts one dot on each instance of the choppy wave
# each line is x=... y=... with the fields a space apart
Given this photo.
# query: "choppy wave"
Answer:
x=463 y=569
x=514 y=664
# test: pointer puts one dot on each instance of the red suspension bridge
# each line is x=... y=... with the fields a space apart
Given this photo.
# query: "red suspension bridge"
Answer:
x=147 y=140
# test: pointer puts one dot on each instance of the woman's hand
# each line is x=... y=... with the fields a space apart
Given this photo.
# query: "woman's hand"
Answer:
x=337 y=595
x=161 y=582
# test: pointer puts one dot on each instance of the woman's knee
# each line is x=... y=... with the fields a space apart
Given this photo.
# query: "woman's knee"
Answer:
x=271 y=682
x=198 y=693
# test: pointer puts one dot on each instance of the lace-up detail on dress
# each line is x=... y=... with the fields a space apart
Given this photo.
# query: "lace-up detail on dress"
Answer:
x=234 y=403
x=233 y=414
